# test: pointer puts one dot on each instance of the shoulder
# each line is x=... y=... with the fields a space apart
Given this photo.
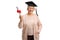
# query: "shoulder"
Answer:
x=35 y=16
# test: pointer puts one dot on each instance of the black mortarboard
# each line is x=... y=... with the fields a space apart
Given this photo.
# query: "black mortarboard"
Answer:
x=31 y=3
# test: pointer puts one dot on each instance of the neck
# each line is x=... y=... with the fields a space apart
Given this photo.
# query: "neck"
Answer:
x=30 y=13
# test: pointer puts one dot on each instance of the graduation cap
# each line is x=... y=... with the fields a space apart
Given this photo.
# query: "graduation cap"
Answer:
x=31 y=3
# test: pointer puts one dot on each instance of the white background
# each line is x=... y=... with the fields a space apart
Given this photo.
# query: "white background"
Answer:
x=48 y=11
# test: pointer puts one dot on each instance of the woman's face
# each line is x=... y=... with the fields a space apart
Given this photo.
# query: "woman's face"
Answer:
x=30 y=9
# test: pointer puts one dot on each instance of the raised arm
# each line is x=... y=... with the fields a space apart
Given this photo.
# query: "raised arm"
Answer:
x=20 y=24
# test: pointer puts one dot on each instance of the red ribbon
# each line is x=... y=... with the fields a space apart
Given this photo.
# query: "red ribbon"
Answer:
x=19 y=11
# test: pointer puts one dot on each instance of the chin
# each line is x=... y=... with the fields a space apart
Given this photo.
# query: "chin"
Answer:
x=30 y=12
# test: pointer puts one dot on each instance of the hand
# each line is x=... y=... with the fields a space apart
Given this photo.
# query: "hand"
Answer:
x=20 y=17
x=37 y=33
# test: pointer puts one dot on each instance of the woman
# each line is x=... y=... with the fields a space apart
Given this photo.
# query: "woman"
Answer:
x=30 y=23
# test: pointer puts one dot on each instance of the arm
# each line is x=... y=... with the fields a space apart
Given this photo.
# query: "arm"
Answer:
x=39 y=26
x=20 y=24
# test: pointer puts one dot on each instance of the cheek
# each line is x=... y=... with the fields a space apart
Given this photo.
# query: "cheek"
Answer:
x=32 y=9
